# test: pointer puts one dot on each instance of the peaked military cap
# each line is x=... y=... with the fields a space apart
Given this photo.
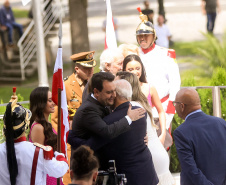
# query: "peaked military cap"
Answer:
x=84 y=58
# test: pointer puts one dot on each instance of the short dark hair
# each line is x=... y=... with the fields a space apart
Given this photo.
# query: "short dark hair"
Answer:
x=98 y=79
x=83 y=163
x=135 y=57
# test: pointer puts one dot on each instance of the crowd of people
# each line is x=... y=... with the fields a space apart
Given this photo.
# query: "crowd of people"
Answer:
x=122 y=113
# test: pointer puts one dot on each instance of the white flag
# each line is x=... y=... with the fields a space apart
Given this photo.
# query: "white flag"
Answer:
x=25 y=2
x=110 y=32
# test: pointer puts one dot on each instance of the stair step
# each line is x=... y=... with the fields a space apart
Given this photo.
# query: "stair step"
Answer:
x=11 y=73
x=11 y=79
x=15 y=59
x=10 y=67
x=16 y=64
x=17 y=72
x=30 y=72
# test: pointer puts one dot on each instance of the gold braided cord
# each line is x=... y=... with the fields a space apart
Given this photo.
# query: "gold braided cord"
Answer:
x=18 y=126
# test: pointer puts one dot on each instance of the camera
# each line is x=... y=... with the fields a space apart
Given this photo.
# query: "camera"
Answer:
x=110 y=177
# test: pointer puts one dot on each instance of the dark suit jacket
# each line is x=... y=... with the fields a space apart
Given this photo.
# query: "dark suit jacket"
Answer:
x=88 y=121
x=132 y=157
x=3 y=16
x=201 y=148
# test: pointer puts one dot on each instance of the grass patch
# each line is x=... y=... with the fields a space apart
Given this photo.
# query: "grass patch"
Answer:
x=187 y=48
x=6 y=93
x=18 y=13
x=188 y=59
x=201 y=80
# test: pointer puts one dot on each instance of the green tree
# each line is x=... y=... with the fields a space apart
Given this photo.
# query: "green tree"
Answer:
x=214 y=51
x=79 y=28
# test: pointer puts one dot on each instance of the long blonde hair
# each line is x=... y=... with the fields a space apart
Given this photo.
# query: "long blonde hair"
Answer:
x=137 y=93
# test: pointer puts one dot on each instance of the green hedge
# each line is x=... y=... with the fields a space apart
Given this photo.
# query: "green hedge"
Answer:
x=218 y=79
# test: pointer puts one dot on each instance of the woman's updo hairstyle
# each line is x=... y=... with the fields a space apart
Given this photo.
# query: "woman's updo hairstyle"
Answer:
x=84 y=163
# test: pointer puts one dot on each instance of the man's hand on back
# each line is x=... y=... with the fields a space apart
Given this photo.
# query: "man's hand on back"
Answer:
x=135 y=114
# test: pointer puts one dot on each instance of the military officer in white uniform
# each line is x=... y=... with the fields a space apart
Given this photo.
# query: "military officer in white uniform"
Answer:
x=161 y=69
x=18 y=156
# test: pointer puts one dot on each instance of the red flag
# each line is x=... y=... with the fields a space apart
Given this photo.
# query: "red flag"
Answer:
x=58 y=83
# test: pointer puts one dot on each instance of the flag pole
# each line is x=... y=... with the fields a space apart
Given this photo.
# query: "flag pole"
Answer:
x=59 y=99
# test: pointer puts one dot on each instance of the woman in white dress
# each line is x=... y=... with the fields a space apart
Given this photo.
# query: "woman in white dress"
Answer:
x=159 y=154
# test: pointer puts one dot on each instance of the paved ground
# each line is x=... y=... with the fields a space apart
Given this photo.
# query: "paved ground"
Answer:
x=184 y=20
x=185 y=23
x=177 y=178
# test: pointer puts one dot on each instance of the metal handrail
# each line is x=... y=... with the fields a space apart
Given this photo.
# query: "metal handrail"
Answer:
x=216 y=98
x=27 y=42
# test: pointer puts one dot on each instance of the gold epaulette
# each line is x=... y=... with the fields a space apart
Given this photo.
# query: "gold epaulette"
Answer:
x=47 y=151
x=45 y=148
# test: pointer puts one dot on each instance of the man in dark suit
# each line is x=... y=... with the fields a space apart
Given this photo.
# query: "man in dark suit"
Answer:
x=88 y=120
x=132 y=156
x=200 y=142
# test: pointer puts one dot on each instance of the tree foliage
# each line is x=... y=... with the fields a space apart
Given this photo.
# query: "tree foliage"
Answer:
x=214 y=51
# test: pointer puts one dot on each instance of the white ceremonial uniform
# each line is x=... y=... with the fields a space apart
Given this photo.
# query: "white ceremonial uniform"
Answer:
x=163 y=73
x=25 y=153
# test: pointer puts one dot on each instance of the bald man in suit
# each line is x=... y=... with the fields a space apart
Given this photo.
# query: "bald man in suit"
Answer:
x=200 y=142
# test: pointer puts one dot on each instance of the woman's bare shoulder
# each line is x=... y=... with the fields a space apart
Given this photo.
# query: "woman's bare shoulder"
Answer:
x=38 y=128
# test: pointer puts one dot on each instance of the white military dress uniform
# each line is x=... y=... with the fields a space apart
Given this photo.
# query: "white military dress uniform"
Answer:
x=24 y=151
x=163 y=73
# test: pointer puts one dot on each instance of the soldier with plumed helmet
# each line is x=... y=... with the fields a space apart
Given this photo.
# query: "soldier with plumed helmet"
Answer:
x=18 y=156
x=162 y=71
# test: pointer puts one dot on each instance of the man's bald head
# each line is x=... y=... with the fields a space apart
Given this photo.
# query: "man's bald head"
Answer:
x=189 y=96
x=188 y=101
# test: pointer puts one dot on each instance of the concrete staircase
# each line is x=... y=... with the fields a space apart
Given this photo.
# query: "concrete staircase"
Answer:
x=20 y=61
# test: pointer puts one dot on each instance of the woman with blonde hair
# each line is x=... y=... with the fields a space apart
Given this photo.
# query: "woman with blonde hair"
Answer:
x=128 y=49
x=159 y=154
